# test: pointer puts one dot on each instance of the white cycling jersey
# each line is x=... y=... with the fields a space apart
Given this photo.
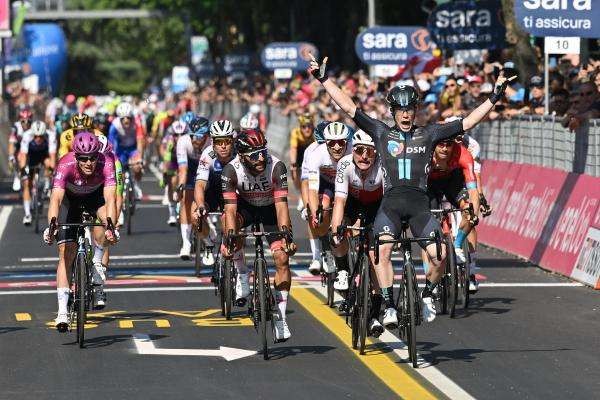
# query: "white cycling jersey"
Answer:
x=322 y=165
x=260 y=190
x=28 y=136
x=366 y=188
x=307 y=153
x=185 y=150
x=209 y=162
x=474 y=148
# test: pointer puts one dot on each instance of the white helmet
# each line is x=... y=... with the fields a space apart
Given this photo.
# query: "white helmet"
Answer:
x=38 y=128
x=249 y=121
x=179 y=127
x=360 y=137
x=254 y=109
x=103 y=143
x=221 y=128
x=336 y=131
x=124 y=110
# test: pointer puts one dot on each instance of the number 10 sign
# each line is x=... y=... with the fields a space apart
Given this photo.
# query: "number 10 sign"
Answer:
x=561 y=45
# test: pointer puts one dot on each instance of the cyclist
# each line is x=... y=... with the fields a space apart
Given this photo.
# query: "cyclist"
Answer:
x=38 y=146
x=406 y=152
x=14 y=141
x=78 y=123
x=127 y=139
x=300 y=138
x=315 y=244
x=84 y=181
x=61 y=123
x=358 y=188
x=452 y=175
x=255 y=189
x=189 y=149
x=167 y=151
x=207 y=190
x=101 y=123
x=322 y=167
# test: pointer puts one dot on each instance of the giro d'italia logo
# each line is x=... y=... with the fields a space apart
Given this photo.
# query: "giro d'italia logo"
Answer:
x=395 y=148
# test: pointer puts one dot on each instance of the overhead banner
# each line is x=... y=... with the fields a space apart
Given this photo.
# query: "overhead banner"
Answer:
x=391 y=44
x=292 y=55
x=578 y=18
x=471 y=24
x=241 y=62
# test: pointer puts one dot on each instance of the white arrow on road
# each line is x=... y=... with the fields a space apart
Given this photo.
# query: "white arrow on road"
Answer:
x=144 y=345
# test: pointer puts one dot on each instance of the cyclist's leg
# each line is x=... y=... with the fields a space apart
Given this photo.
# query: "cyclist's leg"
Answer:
x=67 y=249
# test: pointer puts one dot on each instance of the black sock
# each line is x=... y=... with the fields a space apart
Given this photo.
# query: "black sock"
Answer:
x=388 y=296
x=376 y=301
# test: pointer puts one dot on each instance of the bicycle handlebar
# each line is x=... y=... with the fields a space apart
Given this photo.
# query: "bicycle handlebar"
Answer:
x=437 y=238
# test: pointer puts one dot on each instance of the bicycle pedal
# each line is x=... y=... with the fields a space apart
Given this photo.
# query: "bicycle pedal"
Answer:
x=62 y=327
x=241 y=302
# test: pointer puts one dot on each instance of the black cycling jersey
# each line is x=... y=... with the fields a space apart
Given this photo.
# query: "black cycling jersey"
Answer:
x=406 y=155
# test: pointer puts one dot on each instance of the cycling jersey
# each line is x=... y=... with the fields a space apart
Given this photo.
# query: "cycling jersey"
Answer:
x=307 y=153
x=474 y=149
x=322 y=165
x=210 y=169
x=257 y=190
x=66 y=140
x=350 y=181
x=298 y=140
x=69 y=177
x=169 y=143
x=188 y=155
x=406 y=155
x=16 y=134
x=29 y=145
x=460 y=158
x=122 y=137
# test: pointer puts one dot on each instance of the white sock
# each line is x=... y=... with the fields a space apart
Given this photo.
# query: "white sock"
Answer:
x=98 y=253
x=208 y=241
x=240 y=262
x=172 y=209
x=63 y=299
x=186 y=232
x=27 y=207
x=315 y=248
x=281 y=297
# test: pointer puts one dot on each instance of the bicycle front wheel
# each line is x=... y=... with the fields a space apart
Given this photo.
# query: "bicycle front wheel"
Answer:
x=263 y=280
x=228 y=287
x=80 y=296
x=466 y=270
x=411 y=297
x=199 y=246
x=364 y=300
x=453 y=278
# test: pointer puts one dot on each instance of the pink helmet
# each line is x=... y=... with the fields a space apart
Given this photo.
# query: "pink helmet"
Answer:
x=86 y=143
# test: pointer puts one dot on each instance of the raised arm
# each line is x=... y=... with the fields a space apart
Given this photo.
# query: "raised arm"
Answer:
x=478 y=114
x=341 y=99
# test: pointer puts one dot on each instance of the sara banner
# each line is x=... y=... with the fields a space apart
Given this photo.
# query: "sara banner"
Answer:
x=292 y=55
x=575 y=18
x=392 y=44
x=469 y=24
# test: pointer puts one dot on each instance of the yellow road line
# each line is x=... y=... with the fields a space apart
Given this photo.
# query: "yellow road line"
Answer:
x=386 y=369
x=23 y=316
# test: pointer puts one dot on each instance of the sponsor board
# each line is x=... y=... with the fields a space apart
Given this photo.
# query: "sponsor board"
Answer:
x=587 y=267
x=572 y=18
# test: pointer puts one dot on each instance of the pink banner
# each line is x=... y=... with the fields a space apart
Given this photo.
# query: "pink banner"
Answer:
x=540 y=214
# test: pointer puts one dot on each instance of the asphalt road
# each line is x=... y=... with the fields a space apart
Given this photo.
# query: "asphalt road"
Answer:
x=528 y=334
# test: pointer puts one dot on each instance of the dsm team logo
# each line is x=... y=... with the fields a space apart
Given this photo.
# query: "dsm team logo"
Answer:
x=395 y=148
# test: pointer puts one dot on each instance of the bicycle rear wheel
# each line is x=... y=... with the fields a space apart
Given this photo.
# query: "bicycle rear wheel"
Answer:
x=330 y=278
x=444 y=286
x=263 y=280
x=364 y=302
x=467 y=274
x=353 y=304
x=80 y=296
x=411 y=297
x=453 y=278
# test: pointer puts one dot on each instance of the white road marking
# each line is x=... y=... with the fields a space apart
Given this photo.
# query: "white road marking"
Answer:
x=144 y=345
x=4 y=215
x=157 y=174
x=532 y=284
x=134 y=289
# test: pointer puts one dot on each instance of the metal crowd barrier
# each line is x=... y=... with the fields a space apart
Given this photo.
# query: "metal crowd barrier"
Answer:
x=542 y=141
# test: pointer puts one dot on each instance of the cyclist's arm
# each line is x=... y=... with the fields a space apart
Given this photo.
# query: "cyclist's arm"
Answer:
x=56 y=198
x=341 y=193
x=64 y=144
x=199 y=189
x=182 y=162
x=23 y=150
x=280 y=193
x=313 y=187
x=229 y=186
x=110 y=186
x=341 y=99
x=139 y=138
x=466 y=163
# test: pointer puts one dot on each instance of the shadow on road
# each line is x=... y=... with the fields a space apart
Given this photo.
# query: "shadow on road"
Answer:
x=9 y=329
x=480 y=305
x=278 y=353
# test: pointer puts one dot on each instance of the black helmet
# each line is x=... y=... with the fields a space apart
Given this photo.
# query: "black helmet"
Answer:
x=402 y=96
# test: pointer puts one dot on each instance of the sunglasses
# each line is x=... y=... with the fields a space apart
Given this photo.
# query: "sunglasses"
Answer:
x=255 y=155
x=339 y=142
x=361 y=150
x=84 y=159
x=447 y=143
x=306 y=126
x=222 y=142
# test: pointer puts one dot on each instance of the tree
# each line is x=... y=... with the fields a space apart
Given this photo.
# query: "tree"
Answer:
x=523 y=53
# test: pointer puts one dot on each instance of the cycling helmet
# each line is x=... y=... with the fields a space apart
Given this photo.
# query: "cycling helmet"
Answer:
x=199 y=127
x=402 y=96
x=318 y=132
x=81 y=121
x=179 y=128
x=105 y=145
x=336 y=131
x=100 y=118
x=221 y=128
x=124 y=110
x=25 y=114
x=254 y=109
x=249 y=140
x=38 y=128
x=249 y=121
x=188 y=117
x=362 y=138
x=86 y=143
x=305 y=119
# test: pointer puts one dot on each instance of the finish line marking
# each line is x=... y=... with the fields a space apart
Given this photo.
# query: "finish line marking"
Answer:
x=4 y=215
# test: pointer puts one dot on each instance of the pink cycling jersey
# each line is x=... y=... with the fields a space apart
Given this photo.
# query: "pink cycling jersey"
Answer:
x=69 y=177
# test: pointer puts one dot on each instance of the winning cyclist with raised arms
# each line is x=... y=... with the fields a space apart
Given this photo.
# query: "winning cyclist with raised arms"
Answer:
x=406 y=152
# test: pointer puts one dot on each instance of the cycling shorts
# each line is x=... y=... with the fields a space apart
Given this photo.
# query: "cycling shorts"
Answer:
x=249 y=214
x=410 y=205
x=192 y=170
x=124 y=154
x=453 y=187
x=36 y=157
x=71 y=210
x=354 y=207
